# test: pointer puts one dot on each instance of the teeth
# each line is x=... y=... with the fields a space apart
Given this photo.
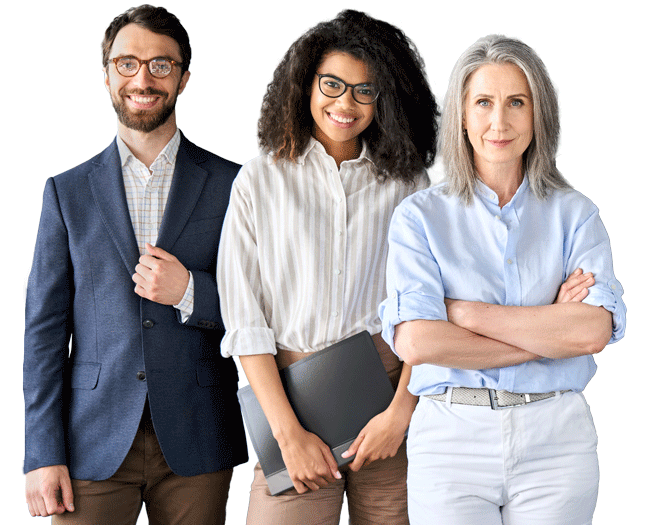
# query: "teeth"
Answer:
x=340 y=119
x=143 y=100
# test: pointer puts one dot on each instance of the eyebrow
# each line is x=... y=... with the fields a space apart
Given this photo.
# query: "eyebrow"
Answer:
x=519 y=95
x=166 y=57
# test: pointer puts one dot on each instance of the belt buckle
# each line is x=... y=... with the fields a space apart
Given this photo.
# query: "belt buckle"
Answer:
x=494 y=402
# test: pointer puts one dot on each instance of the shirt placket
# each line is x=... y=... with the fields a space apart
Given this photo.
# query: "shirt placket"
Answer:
x=150 y=205
x=339 y=246
x=507 y=231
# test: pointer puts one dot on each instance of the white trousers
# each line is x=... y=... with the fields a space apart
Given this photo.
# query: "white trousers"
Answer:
x=529 y=465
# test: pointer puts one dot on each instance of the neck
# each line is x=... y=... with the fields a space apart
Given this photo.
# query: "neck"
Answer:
x=339 y=151
x=147 y=146
x=504 y=180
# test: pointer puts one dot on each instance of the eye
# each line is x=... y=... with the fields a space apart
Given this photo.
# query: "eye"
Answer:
x=333 y=84
x=517 y=103
x=367 y=90
x=127 y=64
x=483 y=102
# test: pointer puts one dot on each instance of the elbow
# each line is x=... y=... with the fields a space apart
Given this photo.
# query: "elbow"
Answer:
x=408 y=344
x=598 y=342
x=598 y=336
x=601 y=333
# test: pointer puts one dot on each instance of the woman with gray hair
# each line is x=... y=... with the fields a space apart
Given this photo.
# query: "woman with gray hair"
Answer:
x=500 y=290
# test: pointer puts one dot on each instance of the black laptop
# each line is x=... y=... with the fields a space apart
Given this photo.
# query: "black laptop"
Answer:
x=334 y=393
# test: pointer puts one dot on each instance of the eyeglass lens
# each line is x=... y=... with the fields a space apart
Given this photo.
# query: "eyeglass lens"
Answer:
x=158 y=67
x=333 y=87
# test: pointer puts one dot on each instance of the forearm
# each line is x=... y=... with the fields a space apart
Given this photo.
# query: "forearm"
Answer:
x=443 y=343
x=555 y=331
x=403 y=403
x=264 y=378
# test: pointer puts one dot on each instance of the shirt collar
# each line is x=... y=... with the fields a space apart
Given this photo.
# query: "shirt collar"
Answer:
x=317 y=148
x=168 y=153
x=488 y=195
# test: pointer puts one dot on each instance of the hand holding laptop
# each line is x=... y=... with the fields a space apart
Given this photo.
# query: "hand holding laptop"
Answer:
x=308 y=459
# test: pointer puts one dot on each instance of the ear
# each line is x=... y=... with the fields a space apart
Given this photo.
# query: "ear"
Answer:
x=184 y=79
x=107 y=83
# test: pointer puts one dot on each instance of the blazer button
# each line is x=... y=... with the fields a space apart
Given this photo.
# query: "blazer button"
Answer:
x=141 y=376
x=148 y=323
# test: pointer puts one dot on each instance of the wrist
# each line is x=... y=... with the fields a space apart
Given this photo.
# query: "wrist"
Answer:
x=288 y=433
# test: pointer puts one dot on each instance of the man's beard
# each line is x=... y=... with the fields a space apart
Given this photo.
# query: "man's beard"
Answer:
x=144 y=121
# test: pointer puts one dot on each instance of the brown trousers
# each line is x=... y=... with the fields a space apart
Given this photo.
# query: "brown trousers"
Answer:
x=144 y=477
x=376 y=494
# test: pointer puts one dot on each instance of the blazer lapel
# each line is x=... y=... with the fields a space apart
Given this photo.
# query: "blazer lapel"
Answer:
x=187 y=185
x=107 y=186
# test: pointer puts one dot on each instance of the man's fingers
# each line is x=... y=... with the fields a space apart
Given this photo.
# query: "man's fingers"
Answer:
x=67 y=496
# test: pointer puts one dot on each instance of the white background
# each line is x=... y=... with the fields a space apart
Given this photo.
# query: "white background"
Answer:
x=57 y=114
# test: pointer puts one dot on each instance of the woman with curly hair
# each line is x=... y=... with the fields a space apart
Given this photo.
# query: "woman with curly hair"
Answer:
x=349 y=126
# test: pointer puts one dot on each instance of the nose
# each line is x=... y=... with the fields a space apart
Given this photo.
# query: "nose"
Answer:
x=346 y=99
x=143 y=78
x=499 y=118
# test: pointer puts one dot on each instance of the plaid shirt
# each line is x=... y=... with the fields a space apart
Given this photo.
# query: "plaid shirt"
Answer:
x=147 y=190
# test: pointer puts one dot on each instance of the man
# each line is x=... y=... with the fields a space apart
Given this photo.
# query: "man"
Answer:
x=140 y=407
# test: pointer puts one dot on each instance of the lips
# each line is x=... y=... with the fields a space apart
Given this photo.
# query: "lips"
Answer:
x=144 y=100
x=500 y=143
x=341 y=120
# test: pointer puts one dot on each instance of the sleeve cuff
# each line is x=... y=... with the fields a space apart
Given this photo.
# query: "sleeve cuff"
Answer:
x=186 y=306
x=612 y=301
x=248 y=341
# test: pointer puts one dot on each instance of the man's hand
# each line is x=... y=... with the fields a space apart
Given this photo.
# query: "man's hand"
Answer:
x=48 y=491
x=160 y=277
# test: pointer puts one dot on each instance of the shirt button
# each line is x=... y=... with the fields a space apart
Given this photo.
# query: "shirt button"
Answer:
x=393 y=295
x=148 y=323
x=613 y=287
x=339 y=232
x=509 y=261
x=335 y=314
x=337 y=272
x=141 y=376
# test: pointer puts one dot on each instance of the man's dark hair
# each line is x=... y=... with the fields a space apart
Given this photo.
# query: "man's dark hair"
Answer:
x=155 y=19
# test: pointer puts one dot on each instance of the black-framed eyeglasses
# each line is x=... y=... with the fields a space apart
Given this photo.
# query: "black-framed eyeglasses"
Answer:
x=159 y=67
x=334 y=87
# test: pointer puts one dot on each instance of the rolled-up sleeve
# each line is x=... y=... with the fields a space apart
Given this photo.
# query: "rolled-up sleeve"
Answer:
x=239 y=280
x=414 y=284
x=589 y=248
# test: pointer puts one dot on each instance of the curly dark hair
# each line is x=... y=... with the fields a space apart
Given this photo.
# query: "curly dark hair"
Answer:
x=402 y=136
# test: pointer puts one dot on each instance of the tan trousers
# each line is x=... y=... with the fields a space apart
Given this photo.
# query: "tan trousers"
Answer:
x=144 y=477
x=376 y=494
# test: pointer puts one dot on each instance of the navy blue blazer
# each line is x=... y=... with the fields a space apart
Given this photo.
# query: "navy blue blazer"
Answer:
x=94 y=350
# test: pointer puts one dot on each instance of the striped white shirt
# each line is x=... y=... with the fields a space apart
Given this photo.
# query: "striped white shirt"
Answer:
x=302 y=258
x=147 y=190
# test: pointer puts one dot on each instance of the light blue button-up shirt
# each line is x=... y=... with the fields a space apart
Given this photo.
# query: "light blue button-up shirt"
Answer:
x=516 y=255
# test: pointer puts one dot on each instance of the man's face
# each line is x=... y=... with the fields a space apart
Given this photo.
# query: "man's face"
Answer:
x=143 y=102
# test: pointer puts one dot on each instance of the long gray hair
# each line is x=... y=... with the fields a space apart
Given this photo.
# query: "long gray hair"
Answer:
x=539 y=157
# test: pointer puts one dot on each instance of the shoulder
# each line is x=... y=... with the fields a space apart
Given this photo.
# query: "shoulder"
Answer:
x=261 y=171
x=208 y=160
x=570 y=203
x=74 y=176
x=434 y=197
